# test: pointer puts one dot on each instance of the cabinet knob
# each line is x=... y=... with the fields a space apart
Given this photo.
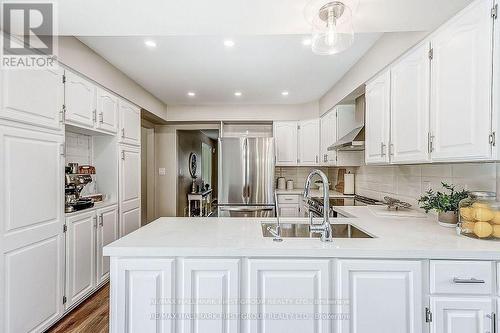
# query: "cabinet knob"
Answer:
x=382 y=149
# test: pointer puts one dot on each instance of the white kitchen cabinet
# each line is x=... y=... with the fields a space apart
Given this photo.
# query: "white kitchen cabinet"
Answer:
x=143 y=290
x=107 y=232
x=378 y=119
x=212 y=285
x=410 y=87
x=309 y=142
x=328 y=129
x=31 y=232
x=286 y=140
x=129 y=177
x=80 y=256
x=42 y=106
x=461 y=315
x=496 y=86
x=130 y=123
x=304 y=284
x=461 y=78
x=383 y=295
x=107 y=114
x=80 y=101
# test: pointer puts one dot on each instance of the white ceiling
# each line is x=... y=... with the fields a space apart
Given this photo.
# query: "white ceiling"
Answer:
x=261 y=67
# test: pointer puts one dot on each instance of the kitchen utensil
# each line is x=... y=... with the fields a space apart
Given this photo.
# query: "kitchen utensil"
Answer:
x=74 y=168
x=340 y=180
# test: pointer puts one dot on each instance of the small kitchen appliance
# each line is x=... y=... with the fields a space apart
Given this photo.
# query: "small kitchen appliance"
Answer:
x=74 y=184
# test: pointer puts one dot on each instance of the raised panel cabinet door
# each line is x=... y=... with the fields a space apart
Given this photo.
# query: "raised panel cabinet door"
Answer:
x=461 y=315
x=80 y=256
x=309 y=142
x=297 y=290
x=212 y=286
x=142 y=295
x=34 y=97
x=80 y=100
x=130 y=123
x=410 y=112
x=381 y=296
x=285 y=138
x=107 y=111
x=107 y=232
x=289 y=210
x=31 y=232
x=377 y=124
x=461 y=79
x=328 y=124
x=129 y=189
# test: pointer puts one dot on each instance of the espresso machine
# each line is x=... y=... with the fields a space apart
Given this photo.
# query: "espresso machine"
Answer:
x=74 y=184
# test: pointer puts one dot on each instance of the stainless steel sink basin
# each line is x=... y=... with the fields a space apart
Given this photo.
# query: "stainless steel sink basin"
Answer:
x=301 y=230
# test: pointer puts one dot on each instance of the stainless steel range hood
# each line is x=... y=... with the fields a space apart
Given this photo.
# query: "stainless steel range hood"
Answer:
x=352 y=141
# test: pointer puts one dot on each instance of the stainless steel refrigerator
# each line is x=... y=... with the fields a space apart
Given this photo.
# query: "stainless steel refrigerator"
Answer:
x=246 y=177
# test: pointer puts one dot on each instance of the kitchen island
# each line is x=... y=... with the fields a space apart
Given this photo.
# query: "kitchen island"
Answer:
x=221 y=275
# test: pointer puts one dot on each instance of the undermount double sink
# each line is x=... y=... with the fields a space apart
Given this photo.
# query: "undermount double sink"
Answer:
x=301 y=230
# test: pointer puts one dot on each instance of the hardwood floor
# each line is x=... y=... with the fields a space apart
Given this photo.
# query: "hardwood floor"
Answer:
x=92 y=316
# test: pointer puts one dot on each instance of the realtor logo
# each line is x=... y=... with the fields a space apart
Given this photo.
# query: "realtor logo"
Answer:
x=28 y=35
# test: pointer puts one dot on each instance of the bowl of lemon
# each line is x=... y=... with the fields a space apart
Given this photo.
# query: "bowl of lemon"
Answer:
x=479 y=216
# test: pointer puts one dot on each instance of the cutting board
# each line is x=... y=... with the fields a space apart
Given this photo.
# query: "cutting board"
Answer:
x=382 y=211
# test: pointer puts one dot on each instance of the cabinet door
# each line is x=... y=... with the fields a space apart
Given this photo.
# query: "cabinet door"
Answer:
x=142 y=298
x=328 y=131
x=309 y=142
x=212 y=285
x=130 y=189
x=80 y=256
x=34 y=97
x=289 y=210
x=496 y=88
x=107 y=111
x=130 y=123
x=410 y=79
x=395 y=285
x=461 y=78
x=31 y=231
x=461 y=315
x=285 y=140
x=377 y=119
x=80 y=99
x=302 y=284
x=107 y=232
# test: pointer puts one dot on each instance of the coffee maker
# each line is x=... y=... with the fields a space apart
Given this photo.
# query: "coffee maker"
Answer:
x=74 y=184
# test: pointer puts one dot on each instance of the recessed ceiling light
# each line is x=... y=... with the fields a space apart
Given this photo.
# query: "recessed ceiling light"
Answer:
x=306 y=41
x=228 y=43
x=150 y=43
x=238 y=94
x=191 y=93
x=284 y=93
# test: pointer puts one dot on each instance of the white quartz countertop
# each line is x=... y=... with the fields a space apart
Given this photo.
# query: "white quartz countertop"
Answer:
x=234 y=237
x=315 y=193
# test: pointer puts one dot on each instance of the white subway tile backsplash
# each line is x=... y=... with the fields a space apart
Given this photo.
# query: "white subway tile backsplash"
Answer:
x=78 y=148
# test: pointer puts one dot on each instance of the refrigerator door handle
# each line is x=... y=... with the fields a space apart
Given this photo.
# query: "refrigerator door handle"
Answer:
x=247 y=167
x=246 y=209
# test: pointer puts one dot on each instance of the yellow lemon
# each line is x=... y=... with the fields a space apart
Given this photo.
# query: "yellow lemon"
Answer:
x=468 y=226
x=483 y=229
x=467 y=213
x=496 y=219
x=496 y=231
x=480 y=205
x=483 y=214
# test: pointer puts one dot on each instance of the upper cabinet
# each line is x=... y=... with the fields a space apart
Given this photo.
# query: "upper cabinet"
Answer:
x=309 y=142
x=80 y=99
x=496 y=87
x=461 y=80
x=377 y=119
x=107 y=111
x=130 y=123
x=409 y=107
x=285 y=138
x=43 y=106
x=328 y=129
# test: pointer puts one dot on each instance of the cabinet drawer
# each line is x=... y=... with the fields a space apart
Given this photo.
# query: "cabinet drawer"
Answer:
x=288 y=199
x=461 y=277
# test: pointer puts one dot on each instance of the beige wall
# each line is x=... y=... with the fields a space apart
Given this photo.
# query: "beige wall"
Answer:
x=242 y=112
x=388 y=48
x=84 y=60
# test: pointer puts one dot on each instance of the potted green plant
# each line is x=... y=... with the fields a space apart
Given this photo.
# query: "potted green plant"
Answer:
x=446 y=204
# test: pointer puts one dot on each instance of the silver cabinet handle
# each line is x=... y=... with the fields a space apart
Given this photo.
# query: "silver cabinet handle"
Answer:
x=382 y=149
x=101 y=223
x=317 y=158
x=101 y=117
x=123 y=155
x=466 y=281
x=123 y=132
x=391 y=149
x=493 y=317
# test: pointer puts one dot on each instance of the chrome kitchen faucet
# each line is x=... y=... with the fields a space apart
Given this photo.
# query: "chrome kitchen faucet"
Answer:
x=325 y=229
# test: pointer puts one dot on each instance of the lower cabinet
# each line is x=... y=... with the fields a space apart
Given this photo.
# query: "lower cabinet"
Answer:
x=297 y=289
x=380 y=296
x=86 y=268
x=462 y=315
